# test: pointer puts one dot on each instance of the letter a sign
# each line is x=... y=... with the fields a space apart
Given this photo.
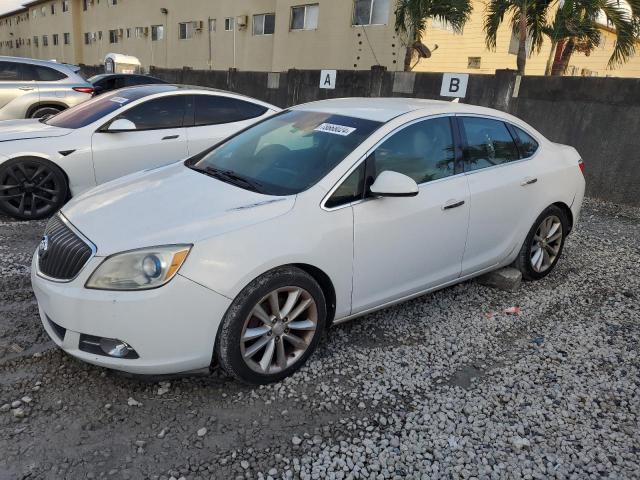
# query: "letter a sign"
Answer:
x=454 y=85
x=328 y=79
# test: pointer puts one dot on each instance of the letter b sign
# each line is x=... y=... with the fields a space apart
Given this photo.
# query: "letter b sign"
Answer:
x=454 y=85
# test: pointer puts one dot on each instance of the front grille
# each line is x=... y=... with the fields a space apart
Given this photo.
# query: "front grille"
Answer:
x=65 y=253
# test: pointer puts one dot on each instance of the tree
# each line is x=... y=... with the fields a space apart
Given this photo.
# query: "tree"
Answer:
x=528 y=21
x=412 y=16
x=576 y=28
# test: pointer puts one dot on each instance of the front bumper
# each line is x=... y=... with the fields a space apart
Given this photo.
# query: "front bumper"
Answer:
x=172 y=328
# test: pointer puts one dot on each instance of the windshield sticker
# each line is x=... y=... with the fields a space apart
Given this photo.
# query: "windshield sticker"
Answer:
x=335 y=129
x=120 y=100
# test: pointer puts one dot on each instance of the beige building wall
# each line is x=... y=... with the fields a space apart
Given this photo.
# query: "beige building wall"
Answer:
x=334 y=43
x=457 y=52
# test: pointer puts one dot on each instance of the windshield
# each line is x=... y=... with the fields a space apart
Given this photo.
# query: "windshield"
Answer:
x=287 y=153
x=96 y=108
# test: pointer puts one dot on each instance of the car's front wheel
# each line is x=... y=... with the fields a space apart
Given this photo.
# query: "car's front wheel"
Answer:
x=31 y=188
x=272 y=326
x=543 y=246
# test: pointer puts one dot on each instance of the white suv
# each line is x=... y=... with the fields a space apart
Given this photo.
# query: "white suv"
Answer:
x=35 y=88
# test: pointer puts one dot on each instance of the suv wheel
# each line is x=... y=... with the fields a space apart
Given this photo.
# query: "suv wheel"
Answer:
x=272 y=326
x=40 y=112
x=31 y=188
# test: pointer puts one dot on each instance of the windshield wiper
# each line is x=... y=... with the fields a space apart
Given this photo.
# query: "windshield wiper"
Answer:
x=230 y=177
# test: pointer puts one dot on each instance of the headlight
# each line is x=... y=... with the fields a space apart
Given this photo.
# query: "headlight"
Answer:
x=139 y=269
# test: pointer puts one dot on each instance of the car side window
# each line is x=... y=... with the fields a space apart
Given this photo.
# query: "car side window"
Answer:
x=213 y=110
x=160 y=113
x=526 y=142
x=489 y=143
x=350 y=190
x=9 y=72
x=41 y=74
x=424 y=151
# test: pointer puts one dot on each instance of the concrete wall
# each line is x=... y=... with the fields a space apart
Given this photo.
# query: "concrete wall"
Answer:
x=598 y=116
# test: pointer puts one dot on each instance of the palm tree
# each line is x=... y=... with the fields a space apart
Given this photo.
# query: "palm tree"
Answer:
x=576 y=27
x=412 y=15
x=528 y=20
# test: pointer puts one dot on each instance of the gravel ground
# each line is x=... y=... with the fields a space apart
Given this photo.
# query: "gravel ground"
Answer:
x=444 y=386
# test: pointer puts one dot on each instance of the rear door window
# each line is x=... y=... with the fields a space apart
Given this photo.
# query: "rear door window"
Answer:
x=41 y=74
x=488 y=143
x=213 y=110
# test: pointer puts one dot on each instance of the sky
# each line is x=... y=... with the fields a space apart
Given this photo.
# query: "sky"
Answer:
x=10 y=5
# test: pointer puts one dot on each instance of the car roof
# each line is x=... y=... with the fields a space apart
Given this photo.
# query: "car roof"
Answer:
x=44 y=63
x=154 y=88
x=385 y=109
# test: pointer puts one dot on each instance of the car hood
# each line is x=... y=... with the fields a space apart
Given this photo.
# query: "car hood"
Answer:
x=29 y=128
x=172 y=204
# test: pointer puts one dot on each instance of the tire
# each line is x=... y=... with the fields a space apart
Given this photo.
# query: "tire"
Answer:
x=533 y=265
x=40 y=112
x=245 y=339
x=31 y=188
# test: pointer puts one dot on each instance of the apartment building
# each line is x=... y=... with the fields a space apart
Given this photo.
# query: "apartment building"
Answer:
x=263 y=35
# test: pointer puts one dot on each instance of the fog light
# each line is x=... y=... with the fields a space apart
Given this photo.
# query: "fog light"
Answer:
x=115 y=348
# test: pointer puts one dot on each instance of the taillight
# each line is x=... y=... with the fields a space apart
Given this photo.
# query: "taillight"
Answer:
x=581 y=165
x=83 y=89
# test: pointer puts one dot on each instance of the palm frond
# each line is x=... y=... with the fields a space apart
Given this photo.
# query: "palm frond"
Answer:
x=494 y=16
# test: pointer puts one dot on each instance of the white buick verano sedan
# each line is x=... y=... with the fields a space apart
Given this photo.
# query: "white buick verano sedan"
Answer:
x=44 y=162
x=245 y=253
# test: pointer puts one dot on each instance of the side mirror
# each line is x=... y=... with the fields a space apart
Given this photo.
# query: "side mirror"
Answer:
x=394 y=184
x=121 y=125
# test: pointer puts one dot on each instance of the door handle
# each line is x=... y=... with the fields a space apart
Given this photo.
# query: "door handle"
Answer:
x=170 y=137
x=452 y=204
x=528 y=181
x=25 y=89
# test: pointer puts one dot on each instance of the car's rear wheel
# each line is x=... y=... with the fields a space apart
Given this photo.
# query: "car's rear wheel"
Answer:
x=31 y=188
x=543 y=246
x=40 y=112
x=272 y=327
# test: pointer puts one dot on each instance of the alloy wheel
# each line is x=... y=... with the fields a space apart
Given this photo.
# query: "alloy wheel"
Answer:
x=279 y=330
x=546 y=243
x=29 y=189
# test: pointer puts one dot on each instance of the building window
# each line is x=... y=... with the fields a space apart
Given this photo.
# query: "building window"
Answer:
x=100 y=35
x=304 y=17
x=128 y=33
x=212 y=24
x=85 y=5
x=112 y=3
x=35 y=41
x=53 y=9
x=45 y=41
x=138 y=32
x=55 y=39
x=157 y=32
x=44 y=11
x=113 y=36
x=65 y=5
x=473 y=62
x=185 y=30
x=67 y=39
x=371 y=12
x=264 y=24
x=228 y=24
x=87 y=38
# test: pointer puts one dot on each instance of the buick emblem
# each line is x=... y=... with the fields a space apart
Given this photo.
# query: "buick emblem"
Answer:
x=44 y=246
